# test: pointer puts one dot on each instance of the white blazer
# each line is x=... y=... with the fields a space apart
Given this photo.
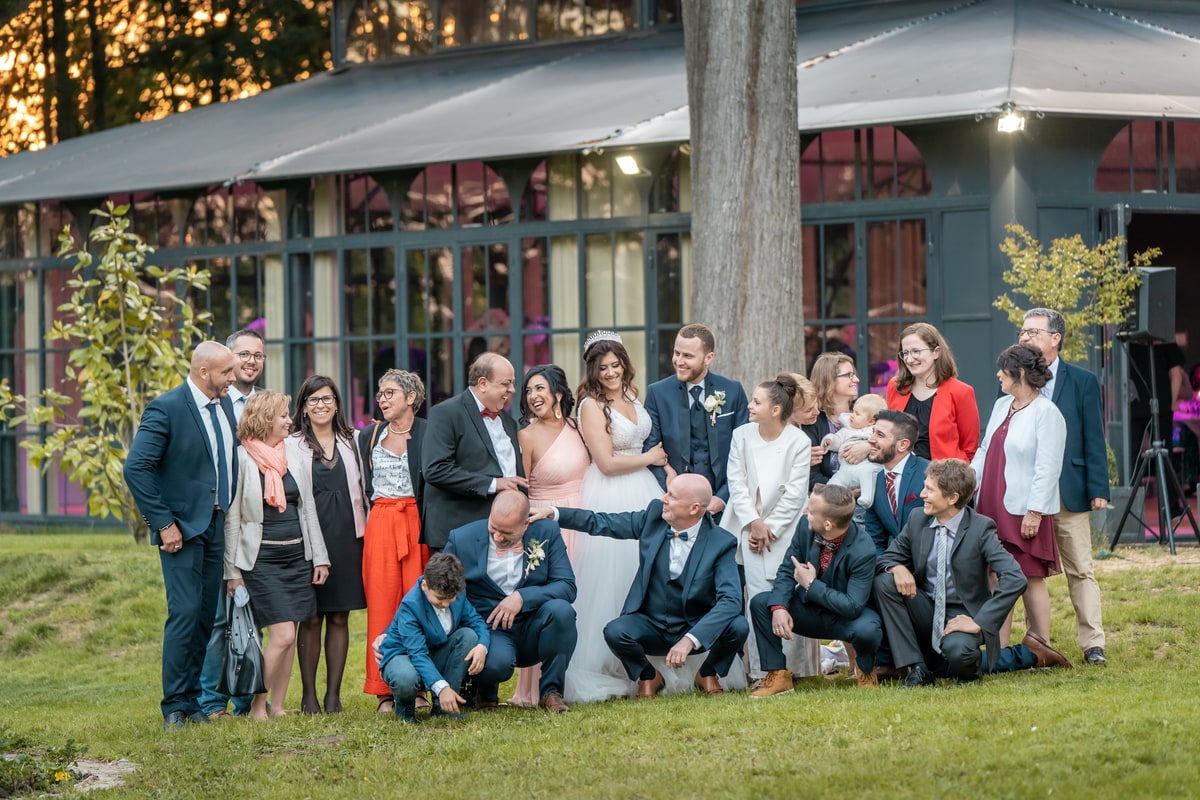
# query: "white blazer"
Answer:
x=1033 y=455
x=243 y=522
x=780 y=480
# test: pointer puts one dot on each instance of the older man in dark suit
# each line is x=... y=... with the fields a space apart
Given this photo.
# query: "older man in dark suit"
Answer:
x=180 y=470
x=685 y=597
x=520 y=581
x=470 y=451
x=934 y=593
x=821 y=591
x=1083 y=485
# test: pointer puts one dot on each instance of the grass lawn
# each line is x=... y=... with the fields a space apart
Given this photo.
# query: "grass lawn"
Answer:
x=81 y=619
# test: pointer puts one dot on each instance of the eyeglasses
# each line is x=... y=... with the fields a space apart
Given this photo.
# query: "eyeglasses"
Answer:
x=851 y=375
x=246 y=355
x=904 y=354
x=323 y=400
x=386 y=394
x=1030 y=332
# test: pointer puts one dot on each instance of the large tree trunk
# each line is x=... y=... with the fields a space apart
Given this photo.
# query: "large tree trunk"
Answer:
x=741 y=71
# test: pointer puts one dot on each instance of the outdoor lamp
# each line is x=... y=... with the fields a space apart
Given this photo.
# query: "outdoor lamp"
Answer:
x=1010 y=121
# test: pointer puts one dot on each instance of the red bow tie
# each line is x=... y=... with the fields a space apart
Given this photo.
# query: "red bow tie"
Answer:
x=488 y=413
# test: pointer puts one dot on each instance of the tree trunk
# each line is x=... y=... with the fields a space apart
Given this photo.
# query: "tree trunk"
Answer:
x=746 y=260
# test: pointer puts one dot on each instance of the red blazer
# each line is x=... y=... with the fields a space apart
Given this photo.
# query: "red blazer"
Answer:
x=953 y=421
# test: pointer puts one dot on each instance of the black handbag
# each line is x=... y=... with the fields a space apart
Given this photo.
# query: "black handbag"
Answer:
x=242 y=672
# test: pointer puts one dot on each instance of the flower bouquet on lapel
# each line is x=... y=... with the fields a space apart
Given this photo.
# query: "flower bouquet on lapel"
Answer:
x=713 y=405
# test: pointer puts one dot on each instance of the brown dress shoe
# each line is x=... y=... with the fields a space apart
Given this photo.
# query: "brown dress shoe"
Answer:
x=709 y=684
x=1046 y=655
x=867 y=680
x=648 y=689
x=553 y=702
x=883 y=672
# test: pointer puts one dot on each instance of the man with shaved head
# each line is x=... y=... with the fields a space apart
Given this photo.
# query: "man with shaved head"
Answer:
x=521 y=583
x=470 y=453
x=181 y=471
x=686 y=597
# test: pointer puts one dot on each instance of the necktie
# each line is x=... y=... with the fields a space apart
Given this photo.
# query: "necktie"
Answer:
x=680 y=535
x=222 y=468
x=487 y=413
x=939 y=589
x=889 y=479
x=697 y=403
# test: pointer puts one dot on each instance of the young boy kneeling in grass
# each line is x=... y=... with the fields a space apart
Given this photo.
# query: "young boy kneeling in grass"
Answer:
x=435 y=639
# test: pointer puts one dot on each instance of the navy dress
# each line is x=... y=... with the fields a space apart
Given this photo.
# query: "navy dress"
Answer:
x=343 y=591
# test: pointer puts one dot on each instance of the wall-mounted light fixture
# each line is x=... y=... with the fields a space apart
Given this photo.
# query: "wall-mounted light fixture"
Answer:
x=1009 y=120
x=628 y=165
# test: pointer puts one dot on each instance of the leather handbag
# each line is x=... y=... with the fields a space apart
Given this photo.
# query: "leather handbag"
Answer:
x=242 y=672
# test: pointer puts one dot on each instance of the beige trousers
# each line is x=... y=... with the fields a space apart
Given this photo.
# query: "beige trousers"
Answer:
x=1072 y=530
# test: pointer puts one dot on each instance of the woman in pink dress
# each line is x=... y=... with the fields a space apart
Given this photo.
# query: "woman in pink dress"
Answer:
x=1017 y=468
x=555 y=460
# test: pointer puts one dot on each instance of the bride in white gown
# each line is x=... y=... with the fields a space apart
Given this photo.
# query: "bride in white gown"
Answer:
x=614 y=426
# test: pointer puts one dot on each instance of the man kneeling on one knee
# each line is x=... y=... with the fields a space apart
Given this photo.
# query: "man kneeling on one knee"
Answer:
x=821 y=591
x=934 y=593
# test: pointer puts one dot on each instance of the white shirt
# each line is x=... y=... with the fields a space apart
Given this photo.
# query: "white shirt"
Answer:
x=931 y=565
x=505 y=568
x=445 y=617
x=202 y=402
x=691 y=399
x=681 y=549
x=899 y=472
x=506 y=454
x=1048 y=390
x=239 y=400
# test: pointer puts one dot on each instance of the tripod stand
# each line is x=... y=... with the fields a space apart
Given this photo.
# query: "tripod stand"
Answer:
x=1156 y=458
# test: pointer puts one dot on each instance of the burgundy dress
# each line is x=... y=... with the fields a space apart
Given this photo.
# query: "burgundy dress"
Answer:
x=1038 y=557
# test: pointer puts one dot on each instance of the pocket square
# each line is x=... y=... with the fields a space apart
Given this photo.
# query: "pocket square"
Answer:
x=911 y=496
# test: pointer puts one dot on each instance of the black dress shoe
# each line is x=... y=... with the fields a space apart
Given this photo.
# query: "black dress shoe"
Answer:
x=176 y=719
x=199 y=718
x=919 y=675
x=1095 y=655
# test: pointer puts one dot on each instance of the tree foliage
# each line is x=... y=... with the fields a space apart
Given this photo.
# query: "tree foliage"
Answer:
x=130 y=331
x=1091 y=286
x=69 y=67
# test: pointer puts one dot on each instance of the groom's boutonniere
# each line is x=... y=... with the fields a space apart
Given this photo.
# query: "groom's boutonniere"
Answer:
x=713 y=405
x=536 y=553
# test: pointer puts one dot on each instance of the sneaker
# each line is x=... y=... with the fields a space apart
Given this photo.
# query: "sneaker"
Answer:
x=1095 y=656
x=777 y=681
x=406 y=710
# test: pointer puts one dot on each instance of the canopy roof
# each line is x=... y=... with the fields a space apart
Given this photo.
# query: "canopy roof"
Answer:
x=860 y=64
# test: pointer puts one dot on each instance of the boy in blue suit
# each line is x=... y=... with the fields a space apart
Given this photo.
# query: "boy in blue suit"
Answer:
x=435 y=640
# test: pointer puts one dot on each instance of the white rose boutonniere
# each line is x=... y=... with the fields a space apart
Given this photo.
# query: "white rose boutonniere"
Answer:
x=713 y=405
x=536 y=554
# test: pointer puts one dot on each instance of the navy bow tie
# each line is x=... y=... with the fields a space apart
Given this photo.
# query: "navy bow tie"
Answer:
x=824 y=543
x=680 y=535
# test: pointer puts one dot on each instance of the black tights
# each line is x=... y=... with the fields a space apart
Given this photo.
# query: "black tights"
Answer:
x=337 y=644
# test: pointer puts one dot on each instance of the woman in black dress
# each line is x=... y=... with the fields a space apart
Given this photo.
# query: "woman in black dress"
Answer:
x=323 y=439
x=273 y=541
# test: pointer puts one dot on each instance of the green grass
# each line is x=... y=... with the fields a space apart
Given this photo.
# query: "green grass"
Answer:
x=81 y=620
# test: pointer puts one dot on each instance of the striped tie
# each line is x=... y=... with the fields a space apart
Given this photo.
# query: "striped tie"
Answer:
x=889 y=478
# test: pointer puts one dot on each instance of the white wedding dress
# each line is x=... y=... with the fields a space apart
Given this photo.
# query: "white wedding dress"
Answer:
x=606 y=568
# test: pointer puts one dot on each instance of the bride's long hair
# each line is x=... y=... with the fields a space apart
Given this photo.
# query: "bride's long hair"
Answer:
x=591 y=386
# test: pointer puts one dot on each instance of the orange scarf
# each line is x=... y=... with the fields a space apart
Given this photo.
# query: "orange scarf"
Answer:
x=272 y=463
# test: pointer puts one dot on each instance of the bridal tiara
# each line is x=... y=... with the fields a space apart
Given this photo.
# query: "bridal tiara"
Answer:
x=601 y=336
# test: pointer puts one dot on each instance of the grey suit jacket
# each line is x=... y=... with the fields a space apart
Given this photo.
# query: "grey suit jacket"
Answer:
x=975 y=550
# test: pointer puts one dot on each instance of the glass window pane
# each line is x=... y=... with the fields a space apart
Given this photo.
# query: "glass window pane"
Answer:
x=1146 y=162
x=669 y=277
x=564 y=182
x=878 y=170
x=1113 y=173
x=883 y=270
x=913 y=283
x=836 y=153
x=598 y=281
x=810 y=248
x=838 y=279
x=912 y=177
x=469 y=187
x=534 y=202
x=630 y=279
x=882 y=340
x=249 y=310
x=596 y=181
x=1187 y=157
x=609 y=16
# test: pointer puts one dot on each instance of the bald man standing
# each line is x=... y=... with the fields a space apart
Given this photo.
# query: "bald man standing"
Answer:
x=181 y=471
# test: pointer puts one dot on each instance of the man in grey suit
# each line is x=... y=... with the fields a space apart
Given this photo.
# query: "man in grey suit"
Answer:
x=181 y=472
x=933 y=591
x=1083 y=485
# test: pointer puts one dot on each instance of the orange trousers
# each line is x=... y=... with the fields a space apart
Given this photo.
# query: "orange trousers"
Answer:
x=393 y=560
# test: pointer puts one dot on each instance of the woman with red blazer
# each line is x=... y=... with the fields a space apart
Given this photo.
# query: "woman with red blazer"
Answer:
x=926 y=385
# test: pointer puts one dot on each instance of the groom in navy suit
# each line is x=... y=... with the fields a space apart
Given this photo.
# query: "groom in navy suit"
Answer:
x=694 y=412
x=686 y=596
x=521 y=583
x=180 y=470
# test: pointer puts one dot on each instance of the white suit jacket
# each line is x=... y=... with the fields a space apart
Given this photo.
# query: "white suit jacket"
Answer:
x=780 y=480
x=243 y=522
x=1033 y=455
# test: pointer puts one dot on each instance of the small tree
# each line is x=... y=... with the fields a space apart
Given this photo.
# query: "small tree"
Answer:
x=1091 y=286
x=131 y=332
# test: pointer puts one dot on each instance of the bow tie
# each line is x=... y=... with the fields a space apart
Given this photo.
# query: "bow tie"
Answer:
x=824 y=543
x=487 y=413
x=680 y=535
